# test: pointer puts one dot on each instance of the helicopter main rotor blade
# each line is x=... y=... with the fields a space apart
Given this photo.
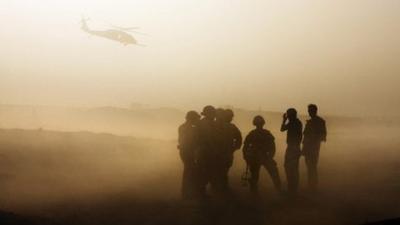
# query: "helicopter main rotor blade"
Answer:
x=130 y=28
x=136 y=32
x=125 y=28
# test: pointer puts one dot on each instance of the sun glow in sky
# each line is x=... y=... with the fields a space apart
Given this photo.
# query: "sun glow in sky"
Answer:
x=342 y=55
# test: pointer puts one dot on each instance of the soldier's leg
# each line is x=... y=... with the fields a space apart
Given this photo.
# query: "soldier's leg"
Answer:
x=190 y=181
x=185 y=174
x=272 y=168
x=203 y=177
x=216 y=175
x=214 y=172
x=185 y=181
x=296 y=173
x=189 y=177
x=315 y=162
x=288 y=170
x=311 y=159
x=254 y=175
x=292 y=168
x=224 y=178
x=226 y=171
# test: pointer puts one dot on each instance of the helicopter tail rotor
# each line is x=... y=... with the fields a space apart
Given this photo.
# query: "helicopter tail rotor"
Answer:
x=84 y=24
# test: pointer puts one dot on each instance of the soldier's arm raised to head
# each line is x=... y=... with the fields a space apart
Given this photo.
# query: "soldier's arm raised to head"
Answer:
x=284 y=126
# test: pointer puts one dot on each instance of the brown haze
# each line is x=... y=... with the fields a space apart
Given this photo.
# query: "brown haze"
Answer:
x=342 y=55
x=88 y=127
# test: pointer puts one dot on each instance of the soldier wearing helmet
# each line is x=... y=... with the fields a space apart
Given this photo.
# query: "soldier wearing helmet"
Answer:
x=294 y=129
x=228 y=139
x=259 y=150
x=188 y=144
x=235 y=134
x=234 y=142
x=208 y=149
x=220 y=157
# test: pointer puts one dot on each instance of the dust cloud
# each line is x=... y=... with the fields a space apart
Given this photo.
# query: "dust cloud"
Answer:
x=70 y=170
x=73 y=152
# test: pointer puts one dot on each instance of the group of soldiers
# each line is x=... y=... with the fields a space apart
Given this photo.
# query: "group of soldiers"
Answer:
x=207 y=143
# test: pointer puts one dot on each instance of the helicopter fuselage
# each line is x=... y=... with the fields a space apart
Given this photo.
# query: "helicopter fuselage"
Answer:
x=112 y=34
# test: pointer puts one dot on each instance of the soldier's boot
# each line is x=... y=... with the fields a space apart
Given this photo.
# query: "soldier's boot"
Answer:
x=277 y=181
x=255 y=172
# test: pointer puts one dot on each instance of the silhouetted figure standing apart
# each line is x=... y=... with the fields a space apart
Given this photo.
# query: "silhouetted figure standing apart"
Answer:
x=208 y=149
x=259 y=150
x=314 y=134
x=188 y=144
x=294 y=129
x=234 y=142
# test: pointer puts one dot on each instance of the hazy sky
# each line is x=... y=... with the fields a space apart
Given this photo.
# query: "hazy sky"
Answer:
x=342 y=55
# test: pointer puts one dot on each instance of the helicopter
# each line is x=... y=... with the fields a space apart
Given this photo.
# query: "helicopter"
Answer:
x=119 y=34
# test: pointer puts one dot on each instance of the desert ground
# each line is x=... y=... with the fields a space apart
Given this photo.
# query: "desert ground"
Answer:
x=72 y=170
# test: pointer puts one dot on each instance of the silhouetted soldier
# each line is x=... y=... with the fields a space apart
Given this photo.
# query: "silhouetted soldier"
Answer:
x=188 y=144
x=314 y=134
x=208 y=149
x=234 y=138
x=221 y=157
x=228 y=139
x=294 y=130
x=259 y=150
